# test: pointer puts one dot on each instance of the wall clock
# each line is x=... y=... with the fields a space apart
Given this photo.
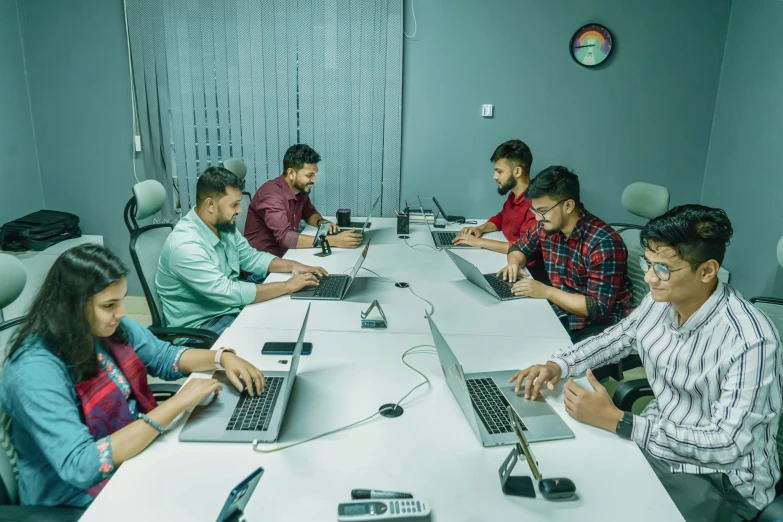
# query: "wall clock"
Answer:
x=591 y=45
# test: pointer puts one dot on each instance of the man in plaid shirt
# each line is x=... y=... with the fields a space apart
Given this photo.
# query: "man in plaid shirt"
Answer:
x=584 y=257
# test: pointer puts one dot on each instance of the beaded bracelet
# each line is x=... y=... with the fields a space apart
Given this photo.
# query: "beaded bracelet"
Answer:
x=151 y=422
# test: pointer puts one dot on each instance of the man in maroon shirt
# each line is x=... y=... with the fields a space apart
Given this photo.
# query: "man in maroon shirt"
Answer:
x=512 y=161
x=273 y=217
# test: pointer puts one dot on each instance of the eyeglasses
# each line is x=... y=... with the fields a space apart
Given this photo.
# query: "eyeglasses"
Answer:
x=661 y=271
x=543 y=214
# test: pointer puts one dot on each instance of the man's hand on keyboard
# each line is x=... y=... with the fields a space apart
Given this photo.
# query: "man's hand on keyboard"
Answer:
x=299 y=281
x=536 y=376
x=238 y=368
x=299 y=268
x=531 y=288
x=471 y=231
x=466 y=239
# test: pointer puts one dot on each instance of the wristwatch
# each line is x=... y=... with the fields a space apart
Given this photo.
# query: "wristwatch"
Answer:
x=219 y=353
x=625 y=426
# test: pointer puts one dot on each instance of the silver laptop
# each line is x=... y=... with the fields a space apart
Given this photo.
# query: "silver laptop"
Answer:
x=442 y=239
x=483 y=398
x=333 y=287
x=367 y=224
x=237 y=417
x=490 y=283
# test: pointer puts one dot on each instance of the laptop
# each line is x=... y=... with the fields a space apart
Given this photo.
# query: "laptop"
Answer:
x=490 y=283
x=483 y=398
x=447 y=217
x=367 y=224
x=237 y=417
x=333 y=287
x=442 y=239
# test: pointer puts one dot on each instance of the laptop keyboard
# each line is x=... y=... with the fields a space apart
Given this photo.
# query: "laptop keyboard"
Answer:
x=503 y=288
x=329 y=286
x=444 y=239
x=490 y=404
x=254 y=413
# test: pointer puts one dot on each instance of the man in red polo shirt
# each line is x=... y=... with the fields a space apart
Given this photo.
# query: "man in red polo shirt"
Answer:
x=512 y=161
x=278 y=206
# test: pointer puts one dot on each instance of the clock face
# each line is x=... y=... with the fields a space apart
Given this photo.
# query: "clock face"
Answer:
x=591 y=45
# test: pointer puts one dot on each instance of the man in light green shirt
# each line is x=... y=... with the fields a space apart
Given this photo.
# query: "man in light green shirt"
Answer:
x=198 y=272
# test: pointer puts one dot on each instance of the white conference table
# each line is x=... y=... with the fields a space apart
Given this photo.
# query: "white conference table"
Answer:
x=429 y=451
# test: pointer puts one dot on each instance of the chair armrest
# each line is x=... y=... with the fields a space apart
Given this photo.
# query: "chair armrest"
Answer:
x=630 y=362
x=169 y=333
x=40 y=514
x=773 y=512
x=628 y=392
x=12 y=322
x=164 y=390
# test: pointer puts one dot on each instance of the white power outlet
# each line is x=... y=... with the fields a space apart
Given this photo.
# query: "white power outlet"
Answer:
x=137 y=143
x=486 y=110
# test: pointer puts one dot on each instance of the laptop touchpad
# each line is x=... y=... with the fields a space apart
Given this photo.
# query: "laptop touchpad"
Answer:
x=525 y=407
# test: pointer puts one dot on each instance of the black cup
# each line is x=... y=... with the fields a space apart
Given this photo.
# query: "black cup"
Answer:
x=344 y=217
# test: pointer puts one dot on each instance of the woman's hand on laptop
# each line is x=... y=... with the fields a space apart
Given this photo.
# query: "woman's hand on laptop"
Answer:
x=194 y=392
x=536 y=376
x=241 y=373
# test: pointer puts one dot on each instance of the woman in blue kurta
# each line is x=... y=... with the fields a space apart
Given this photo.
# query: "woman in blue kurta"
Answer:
x=75 y=384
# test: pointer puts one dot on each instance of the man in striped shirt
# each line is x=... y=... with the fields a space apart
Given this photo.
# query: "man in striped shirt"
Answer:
x=713 y=363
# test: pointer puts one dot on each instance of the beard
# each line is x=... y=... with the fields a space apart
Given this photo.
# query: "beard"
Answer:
x=303 y=187
x=229 y=227
x=506 y=188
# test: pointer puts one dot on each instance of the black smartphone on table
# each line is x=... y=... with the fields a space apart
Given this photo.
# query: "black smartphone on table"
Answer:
x=239 y=497
x=275 y=348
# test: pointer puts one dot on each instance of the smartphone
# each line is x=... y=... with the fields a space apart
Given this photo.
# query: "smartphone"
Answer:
x=239 y=497
x=285 y=348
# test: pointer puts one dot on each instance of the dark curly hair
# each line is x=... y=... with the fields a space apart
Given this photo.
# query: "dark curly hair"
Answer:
x=697 y=233
x=516 y=152
x=297 y=155
x=58 y=315
x=557 y=182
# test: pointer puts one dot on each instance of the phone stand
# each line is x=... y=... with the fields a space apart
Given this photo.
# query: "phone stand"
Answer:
x=516 y=486
x=326 y=249
x=370 y=322
x=236 y=516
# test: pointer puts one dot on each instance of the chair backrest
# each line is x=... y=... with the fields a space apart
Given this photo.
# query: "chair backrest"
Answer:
x=630 y=235
x=145 y=248
x=9 y=474
x=237 y=166
x=773 y=308
x=146 y=243
x=242 y=217
x=645 y=200
x=13 y=281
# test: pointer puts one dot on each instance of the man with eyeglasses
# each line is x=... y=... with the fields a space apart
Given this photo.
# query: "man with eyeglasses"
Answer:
x=584 y=258
x=713 y=362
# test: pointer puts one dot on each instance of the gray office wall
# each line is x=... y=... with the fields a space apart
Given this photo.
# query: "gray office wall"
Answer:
x=77 y=62
x=645 y=117
x=743 y=172
x=20 y=180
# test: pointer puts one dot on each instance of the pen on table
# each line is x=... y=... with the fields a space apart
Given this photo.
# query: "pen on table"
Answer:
x=376 y=493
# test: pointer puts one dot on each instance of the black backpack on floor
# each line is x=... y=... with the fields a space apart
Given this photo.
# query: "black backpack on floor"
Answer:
x=39 y=230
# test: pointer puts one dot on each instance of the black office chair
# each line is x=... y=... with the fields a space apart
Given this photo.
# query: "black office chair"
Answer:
x=146 y=245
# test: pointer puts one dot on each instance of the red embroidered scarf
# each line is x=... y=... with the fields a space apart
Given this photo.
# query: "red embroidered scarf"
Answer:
x=104 y=406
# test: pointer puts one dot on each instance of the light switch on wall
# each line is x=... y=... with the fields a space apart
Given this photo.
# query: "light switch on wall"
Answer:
x=486 y=110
